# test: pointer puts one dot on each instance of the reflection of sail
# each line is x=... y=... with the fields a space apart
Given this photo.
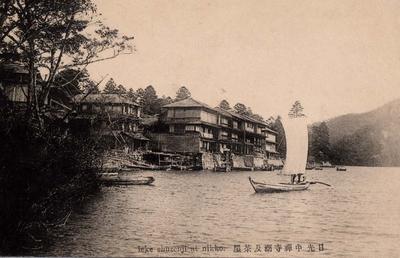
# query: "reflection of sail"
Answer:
x=296 y=145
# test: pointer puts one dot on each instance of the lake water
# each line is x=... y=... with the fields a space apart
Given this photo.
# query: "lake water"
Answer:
x=359 y=217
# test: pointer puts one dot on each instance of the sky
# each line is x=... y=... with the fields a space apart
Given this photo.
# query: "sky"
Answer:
x=336 y=57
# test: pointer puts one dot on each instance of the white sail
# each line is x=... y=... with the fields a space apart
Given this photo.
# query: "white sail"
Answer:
x=296 y=144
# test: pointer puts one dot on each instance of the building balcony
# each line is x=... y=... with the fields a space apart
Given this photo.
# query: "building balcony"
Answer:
x=207 y=135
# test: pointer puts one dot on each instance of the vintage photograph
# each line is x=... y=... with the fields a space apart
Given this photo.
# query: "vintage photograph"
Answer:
x=200 y=128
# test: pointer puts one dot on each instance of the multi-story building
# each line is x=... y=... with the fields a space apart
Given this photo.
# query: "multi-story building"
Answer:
x=195 y=119
x=195 y=127
x=112 y=117
x=240 y=134
x=14 y=81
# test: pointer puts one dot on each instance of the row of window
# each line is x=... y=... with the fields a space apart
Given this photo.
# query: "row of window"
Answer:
x=123 y=109
x=208 y=118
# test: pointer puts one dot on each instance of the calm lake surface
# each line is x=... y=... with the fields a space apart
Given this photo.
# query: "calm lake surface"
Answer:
x=358 y=217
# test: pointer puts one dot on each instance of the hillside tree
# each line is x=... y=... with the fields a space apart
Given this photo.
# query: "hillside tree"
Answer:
x=150 y=100
x=182 y=93
x=320 y=146
x=52 y=35
x=121 y=89
x=240 y=108
x=110 y=87
x=224 y=104
x=296 y=110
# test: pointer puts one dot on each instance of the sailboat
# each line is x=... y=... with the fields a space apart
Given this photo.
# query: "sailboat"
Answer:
x=295 y=127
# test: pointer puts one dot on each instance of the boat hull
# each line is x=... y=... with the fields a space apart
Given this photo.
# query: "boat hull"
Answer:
x=119 y=181
x=278 y=188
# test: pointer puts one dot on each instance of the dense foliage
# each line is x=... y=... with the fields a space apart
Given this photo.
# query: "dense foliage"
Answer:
x=42 y=176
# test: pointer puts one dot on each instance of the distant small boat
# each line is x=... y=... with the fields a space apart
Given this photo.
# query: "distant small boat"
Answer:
x=277 y=188
x=327 y=164
x=116 y=180
x=341 y=168
x=318 y=168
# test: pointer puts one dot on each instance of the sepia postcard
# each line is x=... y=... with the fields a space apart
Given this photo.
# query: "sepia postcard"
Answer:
x=200 y=128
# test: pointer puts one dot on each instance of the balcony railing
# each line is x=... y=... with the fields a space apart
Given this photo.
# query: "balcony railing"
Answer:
x=207 y=135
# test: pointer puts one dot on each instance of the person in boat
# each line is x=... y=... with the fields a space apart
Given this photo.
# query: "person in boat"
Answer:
x=300 y=178
x=293 y=179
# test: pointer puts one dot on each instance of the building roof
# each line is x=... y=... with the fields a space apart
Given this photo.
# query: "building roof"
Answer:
x=269 y=130
x=103 y=98
x=245 y=117
x=188 y=102
x=223 y=112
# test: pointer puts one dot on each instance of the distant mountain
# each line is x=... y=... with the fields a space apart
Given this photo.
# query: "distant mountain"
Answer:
x=374 y=136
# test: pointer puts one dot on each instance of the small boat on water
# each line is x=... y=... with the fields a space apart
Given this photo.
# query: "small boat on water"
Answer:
x=341 y=168
x=276 y=188
x=114 y=179
x=327 y=164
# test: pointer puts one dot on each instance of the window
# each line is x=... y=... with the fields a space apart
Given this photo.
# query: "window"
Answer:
x=170 y=113
x=179 y=113
x=190 y=128
x=84 y=107
x=208 y=117
x=235 y=137
x=235 y=124
x=224 y=135
x=224 y=121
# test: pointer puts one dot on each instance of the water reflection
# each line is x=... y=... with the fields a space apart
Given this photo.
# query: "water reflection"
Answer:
x=357 y=217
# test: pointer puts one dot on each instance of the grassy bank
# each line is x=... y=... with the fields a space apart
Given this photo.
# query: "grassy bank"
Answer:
x=43 y=175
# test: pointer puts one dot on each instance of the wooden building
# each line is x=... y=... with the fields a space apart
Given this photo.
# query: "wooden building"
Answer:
x=270 y=142
x=111 y=117
x=14 y=80
x=195 y=127
x=192 y=117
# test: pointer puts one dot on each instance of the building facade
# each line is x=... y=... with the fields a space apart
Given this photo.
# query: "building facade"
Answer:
x=14 y=80
x=112 y=117
x=270 y=143
x=195 y=127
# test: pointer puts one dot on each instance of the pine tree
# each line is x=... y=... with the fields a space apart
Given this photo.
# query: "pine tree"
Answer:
x=131 y=95
x=224 y=104
x=149 y=100
x=111 y=87
x=182 y=93
x=296 y=110
x=121 y=89
x=240 y=108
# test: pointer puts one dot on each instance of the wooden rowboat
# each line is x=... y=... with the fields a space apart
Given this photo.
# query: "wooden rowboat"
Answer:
x=277 y=188
x=116 y=180
x=340 y=168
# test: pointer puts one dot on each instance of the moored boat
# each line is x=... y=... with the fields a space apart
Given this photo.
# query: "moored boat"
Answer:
x=327 y=164
x=341 y=168
x=117 y=180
